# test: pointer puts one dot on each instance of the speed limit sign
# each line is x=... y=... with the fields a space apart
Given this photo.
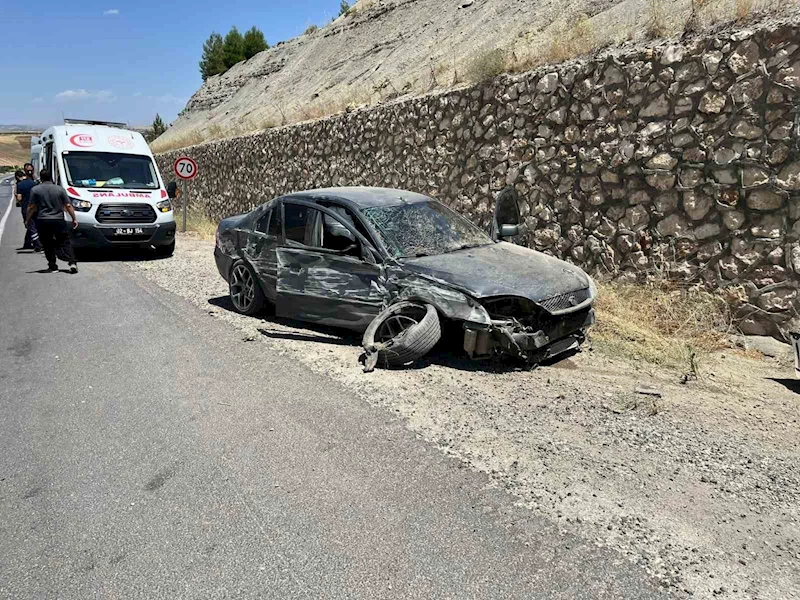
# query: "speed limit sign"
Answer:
x=185 y=168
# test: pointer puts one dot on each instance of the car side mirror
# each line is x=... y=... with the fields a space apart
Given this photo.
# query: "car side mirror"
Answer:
x=507 y=231
x=172 y=190
x=507 y=218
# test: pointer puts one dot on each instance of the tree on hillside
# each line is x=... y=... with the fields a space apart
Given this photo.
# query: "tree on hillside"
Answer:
x=254 y=42
x=344 y=8
x=233 y=48
x=213 y=61
x=156 y=129
x=158 y=126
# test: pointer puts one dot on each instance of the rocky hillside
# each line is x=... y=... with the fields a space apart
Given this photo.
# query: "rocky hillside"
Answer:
x=386 y=49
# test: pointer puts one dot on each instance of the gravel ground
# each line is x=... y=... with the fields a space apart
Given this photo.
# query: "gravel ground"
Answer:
x=699 y=485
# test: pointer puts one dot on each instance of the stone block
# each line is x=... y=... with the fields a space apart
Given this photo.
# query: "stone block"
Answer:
x=673 y=225
x=745 y=58
x=789 y=177
x=768 y=226
x=764 y=200
x=754 y=176
x=661 y=181
x=659 y=107
x=697 y=205
x=746 y=130
x=713 y=102
x=706 y=231
x=779 y=300
x=733 y=219
x=636 y=218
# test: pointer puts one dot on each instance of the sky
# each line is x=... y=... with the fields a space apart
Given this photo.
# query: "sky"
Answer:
x=123 y=60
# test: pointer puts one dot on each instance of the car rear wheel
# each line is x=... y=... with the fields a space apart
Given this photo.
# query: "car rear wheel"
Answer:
x=401 y=334
x=245 y=291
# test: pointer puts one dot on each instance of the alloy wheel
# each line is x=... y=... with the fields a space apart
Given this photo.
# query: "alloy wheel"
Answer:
x=394 y=326
x=243 y=289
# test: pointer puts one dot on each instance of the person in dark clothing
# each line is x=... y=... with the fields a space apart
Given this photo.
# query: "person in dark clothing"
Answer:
x=48 y=203
x=19 y=175
x=24 y=188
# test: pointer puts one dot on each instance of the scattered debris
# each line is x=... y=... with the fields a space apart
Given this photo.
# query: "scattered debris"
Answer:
x=648 y=391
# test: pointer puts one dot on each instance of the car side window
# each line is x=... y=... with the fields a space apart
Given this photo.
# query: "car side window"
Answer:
x=275 y=222
x=263 y=222
x=315 y=229
x=296 y=223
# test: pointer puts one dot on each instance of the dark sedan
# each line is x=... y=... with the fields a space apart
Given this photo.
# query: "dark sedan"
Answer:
x=394 y=264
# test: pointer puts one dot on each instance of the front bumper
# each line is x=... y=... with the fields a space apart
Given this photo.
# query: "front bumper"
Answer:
x=508 y=337
x=92 y=235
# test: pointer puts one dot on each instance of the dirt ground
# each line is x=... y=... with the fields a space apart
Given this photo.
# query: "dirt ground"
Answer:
x=15 y=149
x=700 y=484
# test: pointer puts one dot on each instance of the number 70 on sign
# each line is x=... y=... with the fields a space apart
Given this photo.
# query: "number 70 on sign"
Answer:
x=185 y=168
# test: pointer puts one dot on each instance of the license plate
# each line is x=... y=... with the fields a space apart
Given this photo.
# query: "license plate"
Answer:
x=128 y=231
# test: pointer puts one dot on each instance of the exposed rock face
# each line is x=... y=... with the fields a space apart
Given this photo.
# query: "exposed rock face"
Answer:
x=624 y=163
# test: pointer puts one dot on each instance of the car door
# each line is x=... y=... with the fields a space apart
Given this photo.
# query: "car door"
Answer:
x=261 y=247
x=327 y=270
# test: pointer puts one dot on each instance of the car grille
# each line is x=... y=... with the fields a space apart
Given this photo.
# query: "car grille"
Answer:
x=566 y=301
x=125 y=213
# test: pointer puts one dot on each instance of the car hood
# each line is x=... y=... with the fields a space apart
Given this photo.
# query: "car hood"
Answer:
x=502 y=269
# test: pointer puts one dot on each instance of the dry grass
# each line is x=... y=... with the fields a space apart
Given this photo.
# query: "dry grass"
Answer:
x=575 y=39
x=15 y=148
x=197 y=224
x=656 y=19
x=660 y=323
x=486 y=66
x=744 y=8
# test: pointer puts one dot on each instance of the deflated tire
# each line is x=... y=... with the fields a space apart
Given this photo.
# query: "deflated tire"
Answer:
x=401 y=334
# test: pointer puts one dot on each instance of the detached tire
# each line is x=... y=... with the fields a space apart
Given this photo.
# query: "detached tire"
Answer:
x=403 y=333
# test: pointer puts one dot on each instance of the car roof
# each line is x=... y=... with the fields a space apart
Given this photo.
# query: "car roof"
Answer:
x=363 y=197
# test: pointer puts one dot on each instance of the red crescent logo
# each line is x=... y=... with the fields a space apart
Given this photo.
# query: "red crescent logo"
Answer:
x=82 y=140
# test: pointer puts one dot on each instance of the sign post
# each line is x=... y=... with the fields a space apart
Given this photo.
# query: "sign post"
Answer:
x=186 y=169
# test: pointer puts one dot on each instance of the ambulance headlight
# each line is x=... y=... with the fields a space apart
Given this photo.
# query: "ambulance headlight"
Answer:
x=81 y=205
x=164 y=206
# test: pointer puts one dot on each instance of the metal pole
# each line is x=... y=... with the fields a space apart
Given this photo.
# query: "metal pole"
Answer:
x=185 y=203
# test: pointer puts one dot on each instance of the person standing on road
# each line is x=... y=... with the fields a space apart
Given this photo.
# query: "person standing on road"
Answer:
x=19 y=175
x=24 y=188
x=48 y=203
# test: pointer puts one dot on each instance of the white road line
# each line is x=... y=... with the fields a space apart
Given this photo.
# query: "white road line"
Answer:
x=5 y=217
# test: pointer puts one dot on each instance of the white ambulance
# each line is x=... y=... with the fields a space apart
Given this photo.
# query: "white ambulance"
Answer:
x=113 y=182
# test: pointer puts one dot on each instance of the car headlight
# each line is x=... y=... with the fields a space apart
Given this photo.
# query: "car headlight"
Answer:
x=164 y=206
x=81 y=205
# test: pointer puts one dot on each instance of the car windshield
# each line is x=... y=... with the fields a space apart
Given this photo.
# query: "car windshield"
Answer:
x=110 y=170
x=423 y=229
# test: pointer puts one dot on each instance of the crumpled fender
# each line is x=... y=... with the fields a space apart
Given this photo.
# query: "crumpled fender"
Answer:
x=450 y=302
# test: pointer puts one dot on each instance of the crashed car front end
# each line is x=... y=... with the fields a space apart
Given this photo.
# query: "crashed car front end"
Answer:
x=531 y=331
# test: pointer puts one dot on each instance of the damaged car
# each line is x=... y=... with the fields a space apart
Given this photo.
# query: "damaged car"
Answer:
x=403 y=268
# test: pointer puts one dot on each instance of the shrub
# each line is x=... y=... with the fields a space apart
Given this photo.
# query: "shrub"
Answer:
x=310 y=29
x=486 y=66
x=656 y=20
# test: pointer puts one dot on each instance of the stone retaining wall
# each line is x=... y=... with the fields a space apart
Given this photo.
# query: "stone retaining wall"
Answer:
x=680 y=158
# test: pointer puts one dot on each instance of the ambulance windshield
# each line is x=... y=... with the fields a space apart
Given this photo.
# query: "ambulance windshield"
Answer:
x=110 y=170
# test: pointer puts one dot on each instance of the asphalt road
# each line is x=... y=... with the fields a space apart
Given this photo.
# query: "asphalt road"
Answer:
x=147 y=451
